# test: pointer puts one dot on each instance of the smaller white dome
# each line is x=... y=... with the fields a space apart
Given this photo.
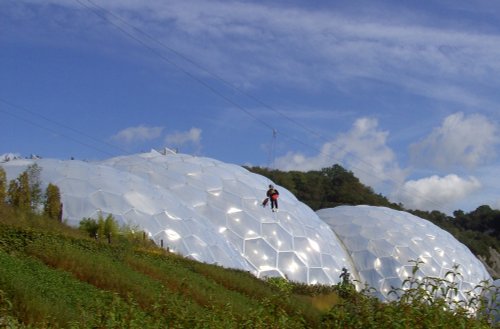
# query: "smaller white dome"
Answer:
x=383 y=241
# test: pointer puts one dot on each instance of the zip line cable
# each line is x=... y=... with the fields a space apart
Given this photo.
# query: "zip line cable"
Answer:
x=272 y=150
x=230 y=85
x=2 y=100
x=166 y=59
x=212 y=74
x=219 y=78
x=96 y=9
x=56 y=132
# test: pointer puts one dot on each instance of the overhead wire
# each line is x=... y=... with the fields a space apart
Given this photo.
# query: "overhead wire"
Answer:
x=230 y=85
x=52 y=130
x=99 y=10
x=272 y=150
x=207 y=71
x=57 y=123
x=96 y=8
x=166 y=59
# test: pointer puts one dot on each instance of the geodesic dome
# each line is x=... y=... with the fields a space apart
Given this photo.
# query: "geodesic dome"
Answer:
x=201 y=208
x=381 y=243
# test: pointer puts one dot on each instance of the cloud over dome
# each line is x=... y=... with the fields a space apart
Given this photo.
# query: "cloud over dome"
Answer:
x=432 y=192
x=460 y=140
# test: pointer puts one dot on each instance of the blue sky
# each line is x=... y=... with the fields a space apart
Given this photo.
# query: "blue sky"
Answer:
x=404 y=94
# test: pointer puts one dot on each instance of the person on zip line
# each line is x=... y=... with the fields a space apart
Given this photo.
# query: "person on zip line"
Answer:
x=272 y=195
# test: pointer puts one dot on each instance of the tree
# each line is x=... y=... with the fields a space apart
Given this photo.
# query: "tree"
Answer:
x=107 y=227
x=90 y=226
x=23 y=193
x=34 y=181
x=53 y=206
x=3 y=186
x=13 y=193
x=110 y=227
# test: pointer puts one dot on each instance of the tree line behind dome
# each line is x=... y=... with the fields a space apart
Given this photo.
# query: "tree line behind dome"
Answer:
x=330 y=187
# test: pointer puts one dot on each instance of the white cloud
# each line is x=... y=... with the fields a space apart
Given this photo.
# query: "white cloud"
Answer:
x=192 y=136
x=436 y=193
x=363 y=150
x=245 y=42
x=140 y=133
x=460 y=141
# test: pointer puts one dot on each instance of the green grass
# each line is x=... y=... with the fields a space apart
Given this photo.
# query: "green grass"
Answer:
x=53 y=276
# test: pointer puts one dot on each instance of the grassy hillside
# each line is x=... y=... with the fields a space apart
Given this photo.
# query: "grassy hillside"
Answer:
x=53 y=276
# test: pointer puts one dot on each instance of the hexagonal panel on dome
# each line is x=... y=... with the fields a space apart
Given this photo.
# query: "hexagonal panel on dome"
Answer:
x=293 y=267
x=392 y=240
x=74 y=186
x=243 y=225
x=277 y=236
x=381 y=247
x=317 y=275
x=260 y=254
x=308 y=250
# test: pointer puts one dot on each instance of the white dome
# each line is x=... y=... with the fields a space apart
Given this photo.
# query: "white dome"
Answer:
x=201 y=208
x=382 y=241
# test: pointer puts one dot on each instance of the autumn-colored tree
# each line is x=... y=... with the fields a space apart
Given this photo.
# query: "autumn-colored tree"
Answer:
x=23 y=193
x=12 y=193
x=52 y=206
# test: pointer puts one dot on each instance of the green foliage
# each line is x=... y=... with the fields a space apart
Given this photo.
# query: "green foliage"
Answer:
x=12 y=194
x=108 y=227
x=19 y=194
x=90 y=226
x=281 y=284
x=326 y=188
x=426 y=302
x=52 y=205
x=100 y=228
x=25 y=192
x=53 y=298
